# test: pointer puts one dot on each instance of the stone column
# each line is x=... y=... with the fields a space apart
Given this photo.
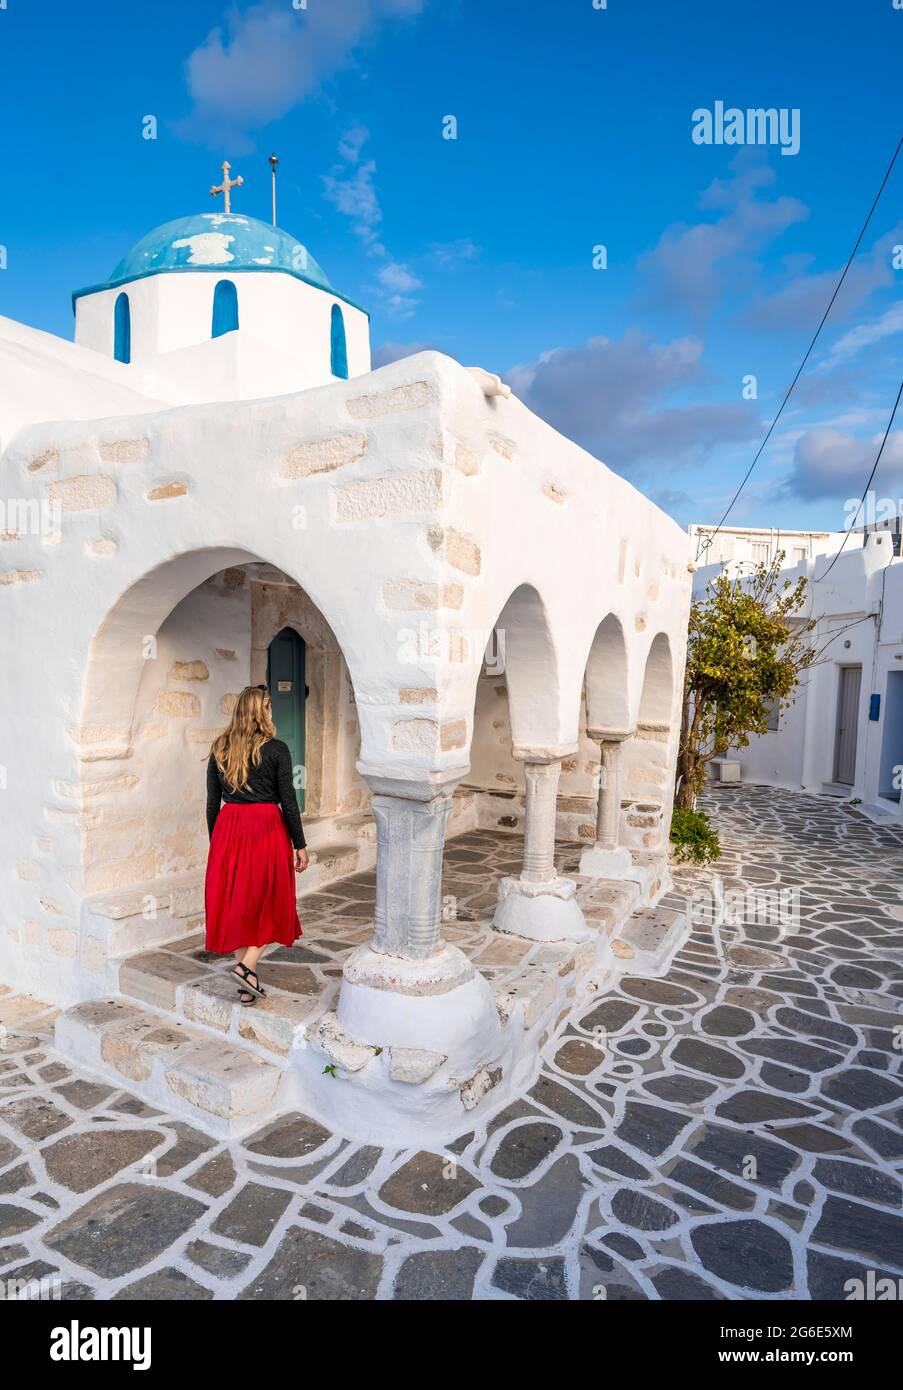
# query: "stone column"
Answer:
x=406 y=987
x=410 y=837
x=540 y=904
x=606 y=858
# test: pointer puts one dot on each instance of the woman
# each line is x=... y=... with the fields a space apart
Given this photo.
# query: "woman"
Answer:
x=250 y=888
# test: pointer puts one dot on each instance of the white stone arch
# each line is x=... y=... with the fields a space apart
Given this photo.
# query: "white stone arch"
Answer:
x=607 y=682
x=126 y=772
x=657 y=694
x=531 y=667
x=116 y=655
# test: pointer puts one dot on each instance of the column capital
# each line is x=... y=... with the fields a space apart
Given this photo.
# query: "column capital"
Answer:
x=411 y=784
x=609 y=735
x=544 y=753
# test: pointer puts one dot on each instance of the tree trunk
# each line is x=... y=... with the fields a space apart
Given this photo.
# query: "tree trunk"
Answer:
x=685 y=798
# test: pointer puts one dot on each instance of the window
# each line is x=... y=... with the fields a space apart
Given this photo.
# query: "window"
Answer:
x=338 y=350
x=225 y=309
x=761 y=552
x=122 y=330
x=774 y=717
x=799 y=553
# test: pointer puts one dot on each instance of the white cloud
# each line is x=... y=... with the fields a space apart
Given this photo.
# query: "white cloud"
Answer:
x=355 y=196
x=830 y=463
x=866 y=334
x=351 y=187
x=612 y=396
x=268 y=58
x=452 y=255
x=693 y=264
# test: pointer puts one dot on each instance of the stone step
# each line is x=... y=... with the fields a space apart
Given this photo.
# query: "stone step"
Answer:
x=224 y=1088
x=606 y=903
x=191 y=992
x=650 y=939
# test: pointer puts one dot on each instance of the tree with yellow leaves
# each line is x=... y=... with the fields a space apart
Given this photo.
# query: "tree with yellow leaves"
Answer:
x=747 y=648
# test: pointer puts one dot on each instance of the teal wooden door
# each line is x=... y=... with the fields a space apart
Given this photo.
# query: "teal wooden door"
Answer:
x=285 y=681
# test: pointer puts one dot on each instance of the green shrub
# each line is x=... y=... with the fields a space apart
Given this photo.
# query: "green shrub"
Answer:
x=696 y=841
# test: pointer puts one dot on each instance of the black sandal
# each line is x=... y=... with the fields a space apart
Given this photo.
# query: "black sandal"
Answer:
x=245 y=978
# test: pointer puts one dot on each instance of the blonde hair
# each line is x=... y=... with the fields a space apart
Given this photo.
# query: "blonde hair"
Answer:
x=237 y=749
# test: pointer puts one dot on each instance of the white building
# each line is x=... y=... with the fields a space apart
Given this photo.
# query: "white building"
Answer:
x=720 y=545
x=844 y=733
x=210 y=488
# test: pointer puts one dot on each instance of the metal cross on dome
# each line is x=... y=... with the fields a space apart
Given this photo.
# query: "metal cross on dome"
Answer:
x=226 y=186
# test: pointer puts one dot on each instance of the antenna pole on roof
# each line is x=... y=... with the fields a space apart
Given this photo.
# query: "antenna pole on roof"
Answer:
x=273 y=161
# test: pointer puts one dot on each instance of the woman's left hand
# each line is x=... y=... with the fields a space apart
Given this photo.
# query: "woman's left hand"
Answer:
x=302 y=860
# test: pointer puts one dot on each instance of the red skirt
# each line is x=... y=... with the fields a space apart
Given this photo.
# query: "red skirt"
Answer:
x=250 y=888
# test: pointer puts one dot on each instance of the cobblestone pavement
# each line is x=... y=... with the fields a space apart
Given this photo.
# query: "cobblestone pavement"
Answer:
x=730 y=1131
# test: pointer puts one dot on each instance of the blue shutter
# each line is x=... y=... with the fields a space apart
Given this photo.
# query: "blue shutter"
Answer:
x=122 y=330
x=225 y=309
x=338 y=350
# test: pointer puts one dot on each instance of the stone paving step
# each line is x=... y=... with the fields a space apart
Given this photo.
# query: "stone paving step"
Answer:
x=650 y=939
x=224 y=1087
x=205 y=997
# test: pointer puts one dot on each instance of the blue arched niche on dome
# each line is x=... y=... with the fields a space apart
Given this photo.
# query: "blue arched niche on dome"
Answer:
x=225 y=308
x=338 y=348
x=122 y=329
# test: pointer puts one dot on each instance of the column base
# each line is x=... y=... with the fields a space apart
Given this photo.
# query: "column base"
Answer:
x=440 y=1004
x=540 y=911
x=596 y=862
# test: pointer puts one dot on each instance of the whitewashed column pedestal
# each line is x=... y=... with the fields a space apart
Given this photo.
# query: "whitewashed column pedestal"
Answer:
x=540 y=904
x=406 y=987
x=606 y=858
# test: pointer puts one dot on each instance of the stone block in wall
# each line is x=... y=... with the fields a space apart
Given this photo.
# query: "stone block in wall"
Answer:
x=323 y=455
x=33 y=933
x=166 y=490
x=457 y=550
x=62 y=941
x=48 y=461
x=416 y=595
x=85 y=492
x=189 y=671
x=204 y=737
x=396 y=494
x=120 y=873
x=20 y=576
x=453 y=734
x=123 y=450
x=177 y=704
x=417 y=695
x=505 y=448
x=466 y=461
x=104 y=545
x=411 y=396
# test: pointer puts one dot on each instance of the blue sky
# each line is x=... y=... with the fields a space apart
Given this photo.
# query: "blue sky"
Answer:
x=574 y=129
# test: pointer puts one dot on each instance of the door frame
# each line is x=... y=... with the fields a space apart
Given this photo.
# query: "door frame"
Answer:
x=840 y=729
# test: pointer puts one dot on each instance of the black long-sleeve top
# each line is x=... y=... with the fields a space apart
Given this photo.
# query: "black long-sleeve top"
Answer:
x=271 y=781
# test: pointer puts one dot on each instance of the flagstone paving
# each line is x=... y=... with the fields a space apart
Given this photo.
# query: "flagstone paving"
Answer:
x=732 y=1130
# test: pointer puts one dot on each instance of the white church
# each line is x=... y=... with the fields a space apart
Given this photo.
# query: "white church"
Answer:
x=467 y=623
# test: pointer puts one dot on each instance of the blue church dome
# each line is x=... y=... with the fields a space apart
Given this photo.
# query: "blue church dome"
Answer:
x=216 y=241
